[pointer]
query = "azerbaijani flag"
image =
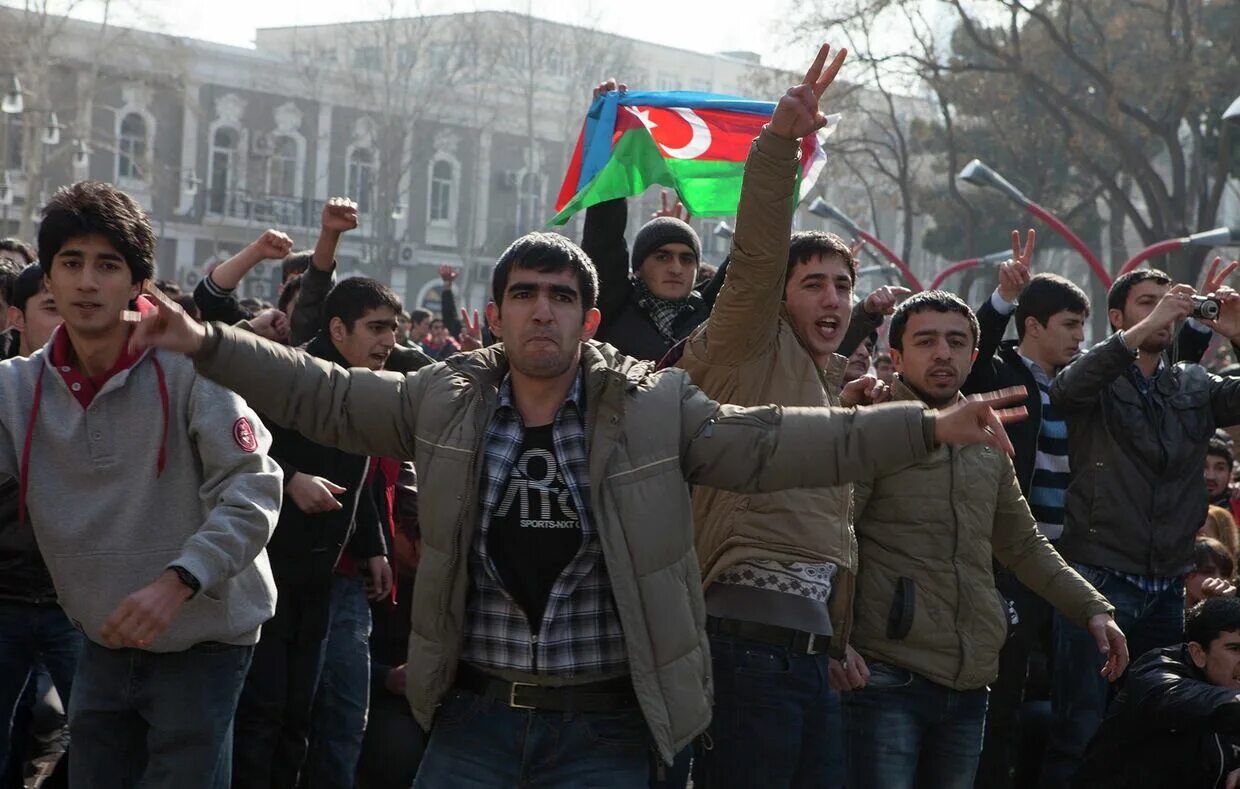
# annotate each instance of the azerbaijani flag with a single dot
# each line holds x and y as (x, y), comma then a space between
(695, 143)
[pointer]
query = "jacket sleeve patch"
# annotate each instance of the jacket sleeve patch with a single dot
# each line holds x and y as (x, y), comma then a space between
(243, 434)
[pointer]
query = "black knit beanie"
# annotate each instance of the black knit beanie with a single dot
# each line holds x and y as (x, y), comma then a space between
(663, 230)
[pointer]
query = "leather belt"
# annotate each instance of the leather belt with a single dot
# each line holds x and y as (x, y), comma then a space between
(795, 641)
(609, 695)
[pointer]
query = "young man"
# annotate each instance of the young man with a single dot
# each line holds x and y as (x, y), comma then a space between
(859, 361)
(1050, 327)
(557, 591)
(33, 627)
(14, 257)
(1138, 430)
(419, 326)
(440, 344)
(929, 622)
(151, 495)
(1177, 720)
(330, 512)
(777, 568)
(1219, 471)
(883, 369)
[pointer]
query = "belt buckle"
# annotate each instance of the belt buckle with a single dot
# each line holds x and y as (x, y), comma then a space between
(809, 646)
(512, 696)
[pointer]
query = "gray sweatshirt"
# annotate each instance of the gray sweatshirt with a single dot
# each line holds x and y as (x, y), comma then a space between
(163, 468)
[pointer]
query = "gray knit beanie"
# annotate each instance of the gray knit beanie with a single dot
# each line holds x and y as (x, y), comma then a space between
(663, 230)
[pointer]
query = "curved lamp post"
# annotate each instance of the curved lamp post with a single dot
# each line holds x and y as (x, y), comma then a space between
(964, 265)
(1218, 237)
(825, 210)
(978, 174)
(1232, 113)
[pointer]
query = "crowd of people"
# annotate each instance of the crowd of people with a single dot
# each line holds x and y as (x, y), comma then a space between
(644, 522)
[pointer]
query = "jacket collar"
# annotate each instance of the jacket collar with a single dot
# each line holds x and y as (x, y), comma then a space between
(487, 367)
(902, 391)
(321, 346)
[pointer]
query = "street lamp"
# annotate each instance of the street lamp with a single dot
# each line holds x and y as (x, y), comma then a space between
(1232, 113)
(51, 132)
(978, 174)
(12, 103)
(1218, 237)
(825, 210)
(723, 230)
(81, 155)
(963, 265)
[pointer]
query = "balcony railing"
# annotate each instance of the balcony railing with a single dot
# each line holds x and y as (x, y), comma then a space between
(275, 210)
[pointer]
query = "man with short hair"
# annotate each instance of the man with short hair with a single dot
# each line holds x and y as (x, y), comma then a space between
(928, 620)
(329, 513)
(1219, 472)
(1176, 722)
(859, 361)
(15, 255)
(32, 310)
(1050, 316)
(883, 368)
(1138, 430)
(557, 591)
(151, 496)
(419, 326)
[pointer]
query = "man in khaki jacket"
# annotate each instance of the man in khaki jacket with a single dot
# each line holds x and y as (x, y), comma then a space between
(928, 619)
(778, 567)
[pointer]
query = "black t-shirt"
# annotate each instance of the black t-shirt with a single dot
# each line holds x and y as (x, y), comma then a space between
(534, 531)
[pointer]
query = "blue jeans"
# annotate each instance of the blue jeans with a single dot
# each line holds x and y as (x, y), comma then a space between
(905, 731)
(1079, 696)
(773, 720)
(478, 743)
(339, 718)
(159, 720)
(33, 633)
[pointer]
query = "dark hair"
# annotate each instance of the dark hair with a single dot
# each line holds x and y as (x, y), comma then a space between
(296, 263)
(92, 208)
(288, 293)
(872, 339)
(882, 357)
(1212, 557)
(439, 321)
(419, 315)
(354, 297)
(1048, 295)
(546, 253)
(1211, 618)
(807, 244)
(25, 286)
(18, 246)
(189, 305)
(1220, 449)
(9, 271)
(928, 301)
(1117, 296)
(169, 288)
(251, 305)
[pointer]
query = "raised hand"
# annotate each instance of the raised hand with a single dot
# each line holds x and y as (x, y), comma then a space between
(448, 275)
(797, 114)
(272, 245)
(1015, 272)
(339, 215)
(979, 420)
(1216, 278)
(271, 324)
(866, 390)
(471, 331)
(675, 210)
(609, 85)
(883, 301)
(1228, 321)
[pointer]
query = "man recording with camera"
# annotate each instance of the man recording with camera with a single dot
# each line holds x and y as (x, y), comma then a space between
(1138, 431)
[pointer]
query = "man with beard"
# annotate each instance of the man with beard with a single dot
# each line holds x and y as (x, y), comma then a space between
(1138, 432)
(1220, 464)
(928, 620)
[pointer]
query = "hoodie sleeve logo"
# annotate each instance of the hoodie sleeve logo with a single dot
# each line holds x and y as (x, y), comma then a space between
(243, 434)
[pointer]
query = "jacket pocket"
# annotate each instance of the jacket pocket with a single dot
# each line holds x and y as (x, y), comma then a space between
(903, 608)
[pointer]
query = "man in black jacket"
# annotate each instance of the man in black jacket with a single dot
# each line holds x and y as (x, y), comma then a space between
(1138, 430)
(1177, 720)
(330, 509)
(1050, 322)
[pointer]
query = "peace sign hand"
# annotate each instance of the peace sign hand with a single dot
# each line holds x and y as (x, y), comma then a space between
(1015, 272)
(471, 331)
(798, 115)
(675, 210)
(1216, 278)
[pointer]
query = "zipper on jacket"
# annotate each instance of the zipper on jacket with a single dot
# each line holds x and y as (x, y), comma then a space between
(357, 500)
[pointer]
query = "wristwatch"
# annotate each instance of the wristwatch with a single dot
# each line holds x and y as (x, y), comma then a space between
(187, 578)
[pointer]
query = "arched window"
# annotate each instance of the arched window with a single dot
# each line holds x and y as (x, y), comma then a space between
(282, 167)
(443, 180)
(131, 148)
(223, 175)
(361, 180)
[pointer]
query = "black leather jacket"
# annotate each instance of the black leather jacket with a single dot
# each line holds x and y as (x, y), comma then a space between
(1168, 727)
(1137, 496)
(23, 575)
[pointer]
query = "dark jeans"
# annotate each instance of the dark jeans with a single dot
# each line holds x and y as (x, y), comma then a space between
(905, 731)
(477, 743)
(159, 720)
(274, 716)
(344, 690)
(393, 745)
(1079, 695)
(772, 723)
(33, 633)
(1001, 748)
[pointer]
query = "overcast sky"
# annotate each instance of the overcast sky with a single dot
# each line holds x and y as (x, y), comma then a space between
(700, 25)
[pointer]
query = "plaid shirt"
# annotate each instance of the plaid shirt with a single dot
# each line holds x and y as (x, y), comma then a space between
(580, 632)
(664, 312)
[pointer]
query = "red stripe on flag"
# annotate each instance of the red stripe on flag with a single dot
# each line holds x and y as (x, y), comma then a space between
(569, 187)
(678, 136)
